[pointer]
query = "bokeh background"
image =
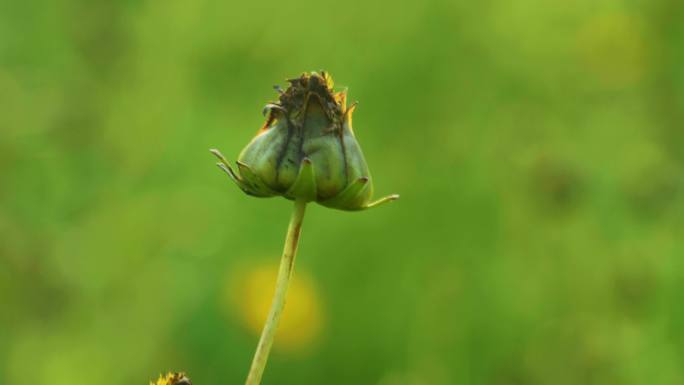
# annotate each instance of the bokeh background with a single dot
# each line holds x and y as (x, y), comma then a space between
(538, 147)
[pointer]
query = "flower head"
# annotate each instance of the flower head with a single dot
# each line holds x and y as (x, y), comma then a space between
(172, 379)
(306, 150)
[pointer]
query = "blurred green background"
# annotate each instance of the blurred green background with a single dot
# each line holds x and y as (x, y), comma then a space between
(538, 147)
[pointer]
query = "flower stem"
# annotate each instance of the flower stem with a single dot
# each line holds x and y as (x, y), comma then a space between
(282, 283)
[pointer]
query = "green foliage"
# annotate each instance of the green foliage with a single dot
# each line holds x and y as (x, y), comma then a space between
(537, 148)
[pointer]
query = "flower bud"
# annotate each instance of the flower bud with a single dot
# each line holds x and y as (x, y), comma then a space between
(307, 150)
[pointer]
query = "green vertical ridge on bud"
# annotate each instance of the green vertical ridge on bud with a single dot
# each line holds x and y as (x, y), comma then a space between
(307, 150)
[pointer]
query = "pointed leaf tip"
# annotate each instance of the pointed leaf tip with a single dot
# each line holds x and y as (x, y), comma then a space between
(382, 200)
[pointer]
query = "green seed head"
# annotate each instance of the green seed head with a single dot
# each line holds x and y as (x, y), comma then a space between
(307, 150)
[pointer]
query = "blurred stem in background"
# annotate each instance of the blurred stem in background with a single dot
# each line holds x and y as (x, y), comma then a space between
(278, 304)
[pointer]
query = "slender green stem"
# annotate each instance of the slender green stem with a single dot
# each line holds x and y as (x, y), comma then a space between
(284, 274)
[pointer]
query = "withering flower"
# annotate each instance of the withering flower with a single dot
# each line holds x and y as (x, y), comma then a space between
(172, 379)
(306, 150)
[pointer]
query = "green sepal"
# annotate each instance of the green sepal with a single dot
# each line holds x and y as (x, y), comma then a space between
(225, 166)
(349, 199)
(345, 200)
(254, 182)
(304, 187)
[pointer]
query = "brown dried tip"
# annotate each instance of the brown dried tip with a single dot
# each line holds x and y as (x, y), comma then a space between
(312, 84)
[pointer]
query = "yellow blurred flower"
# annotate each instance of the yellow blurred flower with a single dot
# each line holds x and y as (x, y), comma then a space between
(614, 48)
(249, 292)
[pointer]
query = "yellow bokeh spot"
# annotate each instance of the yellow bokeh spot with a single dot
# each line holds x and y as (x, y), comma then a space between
(250, 291)
(614, 48)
